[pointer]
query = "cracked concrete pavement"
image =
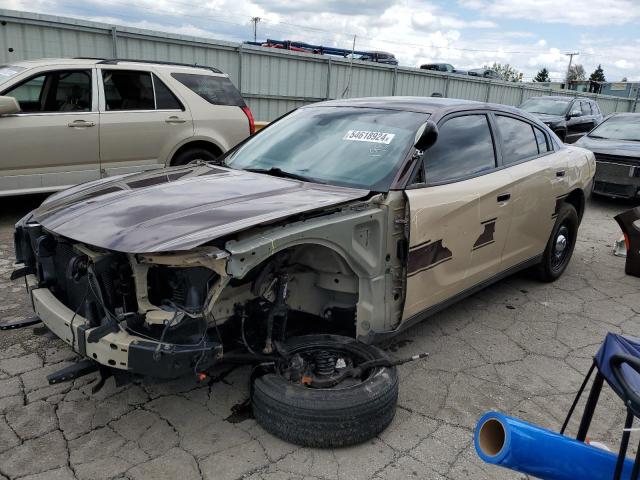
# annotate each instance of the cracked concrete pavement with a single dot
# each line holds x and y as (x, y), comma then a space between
(520, 346)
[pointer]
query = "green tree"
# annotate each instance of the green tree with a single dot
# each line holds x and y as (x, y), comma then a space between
(576, 72)
(506, 72)
(542, 76)
(596, 79)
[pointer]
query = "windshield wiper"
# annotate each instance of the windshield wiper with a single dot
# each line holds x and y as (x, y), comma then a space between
(278, 172)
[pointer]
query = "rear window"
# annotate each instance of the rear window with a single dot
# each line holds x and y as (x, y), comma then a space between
(215, 90)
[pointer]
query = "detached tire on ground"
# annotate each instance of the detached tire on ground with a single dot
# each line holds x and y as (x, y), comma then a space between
(346, 414)
(562, 241)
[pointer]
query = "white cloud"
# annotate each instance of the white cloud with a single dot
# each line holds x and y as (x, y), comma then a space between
(624, 64)
(416, 32)
(587, 13)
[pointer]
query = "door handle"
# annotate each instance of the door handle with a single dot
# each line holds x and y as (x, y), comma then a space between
(504, 197)
(560, 173)
(174, 119)
(81, 124)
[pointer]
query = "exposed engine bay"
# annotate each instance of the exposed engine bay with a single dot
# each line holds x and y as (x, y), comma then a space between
(170, 314)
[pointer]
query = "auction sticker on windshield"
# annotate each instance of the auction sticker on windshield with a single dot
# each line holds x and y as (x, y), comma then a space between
(365, 136)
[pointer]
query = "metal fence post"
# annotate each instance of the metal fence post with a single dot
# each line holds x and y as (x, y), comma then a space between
(521, 94)
(240, 69)
(114, 42)
(395, 81)
(487, 96)
(328, 93)
(446, 87)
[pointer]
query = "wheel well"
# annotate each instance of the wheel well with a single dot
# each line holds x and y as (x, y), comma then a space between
(576, 198)
(203, 144)
(321, 285)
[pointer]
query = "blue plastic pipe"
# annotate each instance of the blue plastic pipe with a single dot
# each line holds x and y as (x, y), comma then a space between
(512, 443)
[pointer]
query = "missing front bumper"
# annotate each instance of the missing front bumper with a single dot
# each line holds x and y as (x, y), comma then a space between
(121, 350)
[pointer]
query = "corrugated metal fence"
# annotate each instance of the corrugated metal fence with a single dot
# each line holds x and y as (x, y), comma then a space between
(272, 81)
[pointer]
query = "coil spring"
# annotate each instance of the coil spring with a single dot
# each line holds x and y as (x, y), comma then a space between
(325, 363)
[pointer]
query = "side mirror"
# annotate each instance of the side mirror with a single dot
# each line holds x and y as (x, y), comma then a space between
(575, 113)
(426, 136)
(9, 106)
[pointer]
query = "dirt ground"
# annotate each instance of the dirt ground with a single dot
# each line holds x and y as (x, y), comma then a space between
(519, 346)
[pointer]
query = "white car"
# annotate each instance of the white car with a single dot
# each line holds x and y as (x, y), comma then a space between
(67, 121)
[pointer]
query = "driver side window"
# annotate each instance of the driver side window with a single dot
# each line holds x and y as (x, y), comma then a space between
(60, 91)
(464, 148)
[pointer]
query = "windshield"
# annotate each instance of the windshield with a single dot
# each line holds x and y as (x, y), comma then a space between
(346, 146)
(619, 127)
(9, 71)
(546, 106)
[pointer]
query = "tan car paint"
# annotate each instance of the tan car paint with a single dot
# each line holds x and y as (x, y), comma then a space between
(49, 155)
(452, 214)
(534, 186)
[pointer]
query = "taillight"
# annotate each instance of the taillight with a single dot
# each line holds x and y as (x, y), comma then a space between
(252, 123)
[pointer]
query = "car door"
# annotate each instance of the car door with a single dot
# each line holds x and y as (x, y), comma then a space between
(53, 142)
(459, 216)
(141, 120)
(588, 116)
(536, 185)
(574, 122)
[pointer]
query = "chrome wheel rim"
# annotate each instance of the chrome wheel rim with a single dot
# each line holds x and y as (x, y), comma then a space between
(561, 247)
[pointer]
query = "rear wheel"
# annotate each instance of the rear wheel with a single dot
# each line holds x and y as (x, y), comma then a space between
(560, 246)
(192, 155)
(289, 406)
(562, 135)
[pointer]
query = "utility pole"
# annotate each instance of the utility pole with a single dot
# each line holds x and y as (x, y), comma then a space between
(570, 55)
(255, 21)
(353, 49)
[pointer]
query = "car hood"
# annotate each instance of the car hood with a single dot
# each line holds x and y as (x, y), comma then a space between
(610, 147)
(179, 208)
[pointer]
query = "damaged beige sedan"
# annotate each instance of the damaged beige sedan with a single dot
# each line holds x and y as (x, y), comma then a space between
(332, 229)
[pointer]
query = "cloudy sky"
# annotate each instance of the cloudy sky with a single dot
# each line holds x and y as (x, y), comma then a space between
(528, 34)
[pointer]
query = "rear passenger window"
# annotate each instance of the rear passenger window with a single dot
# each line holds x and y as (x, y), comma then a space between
(165, 99)
(541, 138)
(464, 148)
(214, 89)
(518, 139)
(128, 90)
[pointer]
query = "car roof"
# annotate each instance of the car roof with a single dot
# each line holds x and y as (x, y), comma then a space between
(415, 104)
(85, 62)
(557, 97)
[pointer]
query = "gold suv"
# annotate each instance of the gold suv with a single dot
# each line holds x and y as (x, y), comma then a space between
(67, 121)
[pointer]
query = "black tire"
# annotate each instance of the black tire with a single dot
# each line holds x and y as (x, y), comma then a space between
(332, 417)
(562, 135)
(555, 260)
(193, 154)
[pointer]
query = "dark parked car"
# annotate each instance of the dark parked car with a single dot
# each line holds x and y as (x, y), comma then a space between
(616, 145)
(380, 57)
(485, 72)
(570, 118)
(442, 67)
